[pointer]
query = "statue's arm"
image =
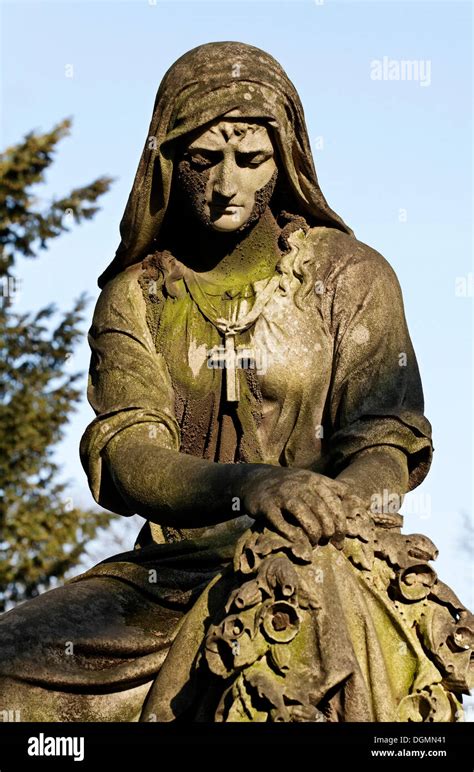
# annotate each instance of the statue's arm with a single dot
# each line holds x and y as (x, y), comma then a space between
(375, 470)
(174, 488)
(379, 440)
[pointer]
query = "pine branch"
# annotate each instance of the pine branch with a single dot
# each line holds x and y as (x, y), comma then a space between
(25, 229)
(42, 535)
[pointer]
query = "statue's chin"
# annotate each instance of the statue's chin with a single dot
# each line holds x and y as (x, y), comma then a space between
(226, 227)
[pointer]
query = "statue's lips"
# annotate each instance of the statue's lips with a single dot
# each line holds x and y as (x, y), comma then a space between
(228, 209)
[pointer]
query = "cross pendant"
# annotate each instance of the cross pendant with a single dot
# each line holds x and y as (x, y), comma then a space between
(232, 359)
(231, 374)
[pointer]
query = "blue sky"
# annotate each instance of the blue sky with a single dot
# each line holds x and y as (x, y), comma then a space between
(393, 158)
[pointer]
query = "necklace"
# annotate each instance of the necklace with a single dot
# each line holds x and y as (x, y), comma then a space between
(229, 357)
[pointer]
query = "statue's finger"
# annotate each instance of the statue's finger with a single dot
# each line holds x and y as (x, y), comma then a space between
(275, 519)
(336, 507)
(303, 514)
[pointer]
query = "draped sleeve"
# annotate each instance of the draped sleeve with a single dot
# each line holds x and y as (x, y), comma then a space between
(376, 396)
(129, 383)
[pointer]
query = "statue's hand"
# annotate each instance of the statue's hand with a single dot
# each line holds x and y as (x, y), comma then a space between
(290, 499)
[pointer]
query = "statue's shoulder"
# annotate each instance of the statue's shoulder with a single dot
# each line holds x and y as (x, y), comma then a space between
(121, 295)
(337, 255)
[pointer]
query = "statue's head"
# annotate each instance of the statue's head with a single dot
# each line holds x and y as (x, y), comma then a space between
(228, 132)
(226, 173)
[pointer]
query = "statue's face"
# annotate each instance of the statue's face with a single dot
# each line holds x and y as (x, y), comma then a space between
(222, 171)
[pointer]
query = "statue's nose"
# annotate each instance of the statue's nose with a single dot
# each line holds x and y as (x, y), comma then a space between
(225, 183)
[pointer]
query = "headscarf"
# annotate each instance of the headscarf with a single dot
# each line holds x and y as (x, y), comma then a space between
(204, 84)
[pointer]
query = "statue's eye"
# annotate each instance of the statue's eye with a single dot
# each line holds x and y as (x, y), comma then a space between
(203, 159)
(251, 159)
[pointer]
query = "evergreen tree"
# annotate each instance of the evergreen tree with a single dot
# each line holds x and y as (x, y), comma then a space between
(42, 534)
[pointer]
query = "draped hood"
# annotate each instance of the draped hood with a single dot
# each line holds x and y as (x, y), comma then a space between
(204, 84)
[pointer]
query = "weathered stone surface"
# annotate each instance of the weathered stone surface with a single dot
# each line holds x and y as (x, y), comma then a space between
(258, 402)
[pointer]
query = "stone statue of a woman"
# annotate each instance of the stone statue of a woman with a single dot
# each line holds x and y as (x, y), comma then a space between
(258, 402)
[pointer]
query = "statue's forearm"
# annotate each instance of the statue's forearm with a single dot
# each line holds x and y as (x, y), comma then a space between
(375, 470)
(173, 488)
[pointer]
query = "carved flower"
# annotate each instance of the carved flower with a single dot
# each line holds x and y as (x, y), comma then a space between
(281, 621)
(415, 582)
